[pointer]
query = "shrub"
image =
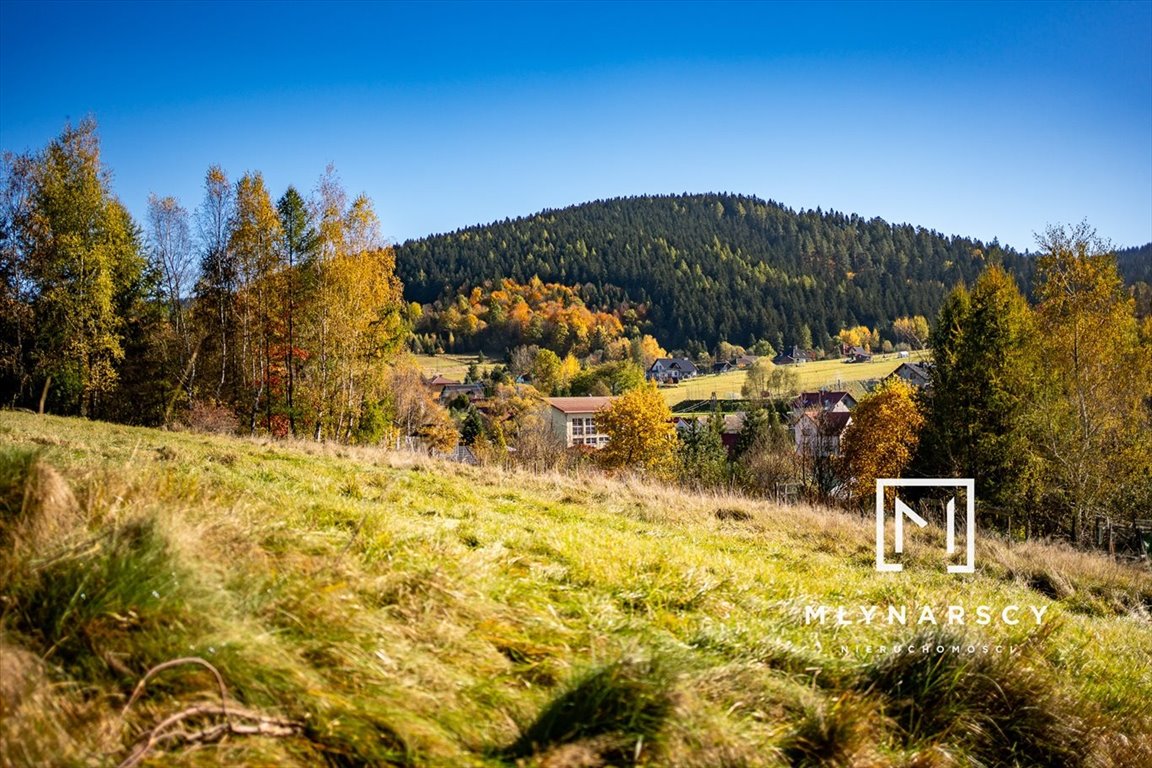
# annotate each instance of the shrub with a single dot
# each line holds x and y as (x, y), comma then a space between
(204, 416)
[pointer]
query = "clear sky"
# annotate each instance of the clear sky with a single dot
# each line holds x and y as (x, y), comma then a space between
(981, 119)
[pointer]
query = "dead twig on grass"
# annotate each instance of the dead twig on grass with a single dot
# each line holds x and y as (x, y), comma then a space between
(238, 721)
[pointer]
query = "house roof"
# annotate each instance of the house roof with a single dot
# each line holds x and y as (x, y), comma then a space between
(820, 399)
(441, 380)
(456, 386)
(829, 422)
(919, 369)
(579, 404)
(674, 364)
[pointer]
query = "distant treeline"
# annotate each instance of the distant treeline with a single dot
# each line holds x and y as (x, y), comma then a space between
(722, 267)
(715, 267)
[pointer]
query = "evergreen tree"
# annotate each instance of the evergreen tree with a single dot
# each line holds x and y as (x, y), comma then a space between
(985, 384)
(298, 246)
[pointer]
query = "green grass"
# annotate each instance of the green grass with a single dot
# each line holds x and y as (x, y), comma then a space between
(452, 366)
(400, 611)
(833, 373)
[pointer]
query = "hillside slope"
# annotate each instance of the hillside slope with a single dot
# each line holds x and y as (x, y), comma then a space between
(714, 266)
(373, 608)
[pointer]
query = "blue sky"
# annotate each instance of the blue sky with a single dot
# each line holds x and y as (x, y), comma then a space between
(981, 119)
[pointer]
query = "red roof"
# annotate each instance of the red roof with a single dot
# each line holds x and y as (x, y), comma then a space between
(441, 380)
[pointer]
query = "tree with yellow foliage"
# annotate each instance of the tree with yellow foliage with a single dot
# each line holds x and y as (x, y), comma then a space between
(913, 330)
(640, 431)
(1093, 427)
(646, 350)
(860, 336)
(882, 436)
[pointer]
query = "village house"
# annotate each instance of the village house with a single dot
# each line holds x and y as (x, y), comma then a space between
(724, 366)
(857, 355)
(745, 361)
(671, 370)
(916, 374)
(437, 383)
(796, 357)
(818, 433)
(573, 420)
(835, 402)
(473, 391)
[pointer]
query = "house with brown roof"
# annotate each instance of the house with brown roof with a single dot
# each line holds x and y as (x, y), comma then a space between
(437, 383)
(573, 420)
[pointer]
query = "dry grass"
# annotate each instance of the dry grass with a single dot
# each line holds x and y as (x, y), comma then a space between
(410, 612)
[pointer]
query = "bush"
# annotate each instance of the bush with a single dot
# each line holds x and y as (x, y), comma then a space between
(204, 416)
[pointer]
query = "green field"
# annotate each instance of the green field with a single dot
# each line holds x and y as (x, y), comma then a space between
(834, 374)
(365, 607)
(452, 366)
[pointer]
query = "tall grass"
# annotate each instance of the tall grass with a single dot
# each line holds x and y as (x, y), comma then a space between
(408, 612)
(999, 709)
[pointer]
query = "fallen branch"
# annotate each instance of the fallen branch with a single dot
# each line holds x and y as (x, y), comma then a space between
(176, 663)
(241, 722)
(237, 720)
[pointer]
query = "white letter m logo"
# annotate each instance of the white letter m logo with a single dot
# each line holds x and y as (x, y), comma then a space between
(903, 512)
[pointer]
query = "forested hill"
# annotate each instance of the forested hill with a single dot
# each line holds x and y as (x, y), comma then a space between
(715, 266)
(1135, 264)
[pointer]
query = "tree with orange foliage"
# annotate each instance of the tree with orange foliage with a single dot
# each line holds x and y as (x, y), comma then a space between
(882, 436)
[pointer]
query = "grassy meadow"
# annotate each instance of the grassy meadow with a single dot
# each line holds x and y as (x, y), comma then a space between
(452, 366)
(323, 605)
(833, 373)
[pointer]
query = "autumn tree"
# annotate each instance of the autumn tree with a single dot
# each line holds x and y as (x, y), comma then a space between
(255, 241)
(417, 420)
(646, 350)
(80, 254)
(859, 336)
(1094, 429)
(911, 330)
(639, 429)
(546, 373)
(764, 380)
(881, 439)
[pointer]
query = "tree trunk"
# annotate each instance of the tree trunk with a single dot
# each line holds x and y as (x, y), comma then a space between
(44, 392)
